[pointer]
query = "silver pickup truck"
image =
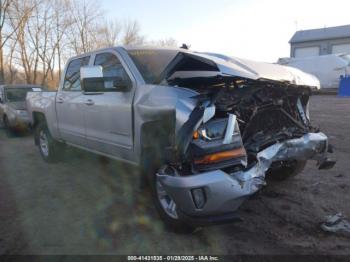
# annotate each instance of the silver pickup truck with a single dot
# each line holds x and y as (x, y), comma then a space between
(206, 129)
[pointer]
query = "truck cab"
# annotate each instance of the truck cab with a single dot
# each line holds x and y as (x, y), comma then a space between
(85, 116)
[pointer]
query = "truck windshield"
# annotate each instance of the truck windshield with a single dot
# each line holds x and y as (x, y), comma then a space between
(151, 63)
(16, 94)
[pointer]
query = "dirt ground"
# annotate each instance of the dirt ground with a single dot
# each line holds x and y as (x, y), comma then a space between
(87, 205)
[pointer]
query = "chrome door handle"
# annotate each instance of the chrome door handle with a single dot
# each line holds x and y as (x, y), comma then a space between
(59, 100)
(89, 102)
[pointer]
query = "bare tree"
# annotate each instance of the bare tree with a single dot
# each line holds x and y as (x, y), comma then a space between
(110, 33)
(5, 35)
(113, 33)
(132, 34)
(41, 34)
(12, 71)
(39, 40)
(62, 23)
(166, 42)
(4, 5)
(20, 14)
(86, 17)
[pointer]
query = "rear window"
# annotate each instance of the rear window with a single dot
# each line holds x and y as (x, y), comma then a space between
(151, 63)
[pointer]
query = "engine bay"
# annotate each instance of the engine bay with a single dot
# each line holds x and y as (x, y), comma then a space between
(265, 113)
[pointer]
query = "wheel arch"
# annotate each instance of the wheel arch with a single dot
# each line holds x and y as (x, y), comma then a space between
(157, 136)
(156, 142)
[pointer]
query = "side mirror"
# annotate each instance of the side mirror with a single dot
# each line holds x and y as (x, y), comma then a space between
(92, 80)
(0, 100)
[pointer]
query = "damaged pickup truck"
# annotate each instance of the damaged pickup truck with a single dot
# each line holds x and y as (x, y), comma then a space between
(206, 129)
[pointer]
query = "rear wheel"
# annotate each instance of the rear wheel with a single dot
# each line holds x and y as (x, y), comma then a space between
(284, 170)
(49, 148)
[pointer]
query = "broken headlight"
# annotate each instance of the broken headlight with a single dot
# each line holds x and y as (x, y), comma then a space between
(217, 144)
(212, 130)
(303, 112)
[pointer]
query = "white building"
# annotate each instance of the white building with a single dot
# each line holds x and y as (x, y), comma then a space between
(323, 41)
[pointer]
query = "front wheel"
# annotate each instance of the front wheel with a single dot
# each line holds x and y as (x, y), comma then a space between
(165, 205)
(49, 148)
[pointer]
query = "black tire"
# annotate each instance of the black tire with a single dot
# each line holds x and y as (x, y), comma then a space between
(149, 171)
(284, 170)
(54, 148)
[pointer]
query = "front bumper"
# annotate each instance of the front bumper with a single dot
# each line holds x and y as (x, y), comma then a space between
(224, 192)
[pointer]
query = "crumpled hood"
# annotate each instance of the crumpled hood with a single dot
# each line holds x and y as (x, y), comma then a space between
(18, 105)
(237, 67)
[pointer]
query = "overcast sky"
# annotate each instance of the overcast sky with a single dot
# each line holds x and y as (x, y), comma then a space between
(254, 29)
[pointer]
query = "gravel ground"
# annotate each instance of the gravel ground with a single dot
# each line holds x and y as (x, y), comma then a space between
(89, 205)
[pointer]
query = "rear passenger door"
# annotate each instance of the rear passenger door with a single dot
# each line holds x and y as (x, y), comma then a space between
(109, 116)
(70, 104)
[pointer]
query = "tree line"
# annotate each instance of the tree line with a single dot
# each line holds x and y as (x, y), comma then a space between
(38, 36)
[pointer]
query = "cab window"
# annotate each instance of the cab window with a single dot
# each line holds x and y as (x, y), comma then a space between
(72, 77)
(112, 68)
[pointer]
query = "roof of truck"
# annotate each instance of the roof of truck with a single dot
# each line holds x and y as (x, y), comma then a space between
(233, 66)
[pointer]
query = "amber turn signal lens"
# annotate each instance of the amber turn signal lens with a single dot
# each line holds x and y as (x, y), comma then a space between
(225, 155)
(195, 135)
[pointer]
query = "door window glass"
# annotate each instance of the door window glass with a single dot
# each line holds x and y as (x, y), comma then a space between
(72, 77)
(112, 69)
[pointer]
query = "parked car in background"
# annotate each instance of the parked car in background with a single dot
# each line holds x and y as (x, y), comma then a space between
(327, 68)
(204, 128)
(13, 111)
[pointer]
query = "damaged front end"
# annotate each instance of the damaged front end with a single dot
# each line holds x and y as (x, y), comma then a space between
(248, 120)
(240, 129)
(227, 156)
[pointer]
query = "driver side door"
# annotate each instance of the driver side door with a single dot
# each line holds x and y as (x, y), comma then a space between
(109, 115)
